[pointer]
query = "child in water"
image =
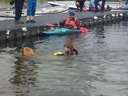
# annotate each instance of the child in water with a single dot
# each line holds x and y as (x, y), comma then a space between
(27, 52)
(70, 50)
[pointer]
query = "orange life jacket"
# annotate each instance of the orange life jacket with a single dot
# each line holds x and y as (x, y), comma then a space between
(72, 22)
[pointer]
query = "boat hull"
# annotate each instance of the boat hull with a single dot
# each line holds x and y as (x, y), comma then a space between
(60, 31)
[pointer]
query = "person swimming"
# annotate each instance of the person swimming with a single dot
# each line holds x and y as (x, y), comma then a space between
(69, 50)
(27, 52)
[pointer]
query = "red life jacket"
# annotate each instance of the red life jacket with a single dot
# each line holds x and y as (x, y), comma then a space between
(72, 23)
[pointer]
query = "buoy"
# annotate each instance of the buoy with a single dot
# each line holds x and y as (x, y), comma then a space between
(59, 53)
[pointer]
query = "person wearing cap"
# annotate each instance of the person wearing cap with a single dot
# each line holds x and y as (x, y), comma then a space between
(80, 4)
(71, 21)
(126, 4)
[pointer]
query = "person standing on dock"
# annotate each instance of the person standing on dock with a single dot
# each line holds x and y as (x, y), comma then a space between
(31, 9)
(80, 4)
(91, 5)
(102, 6)
(126, 4)
(18, 10)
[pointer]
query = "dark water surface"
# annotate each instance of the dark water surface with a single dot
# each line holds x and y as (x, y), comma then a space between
(100, 69)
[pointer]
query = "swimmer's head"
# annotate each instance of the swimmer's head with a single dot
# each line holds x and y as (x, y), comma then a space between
(27, 51)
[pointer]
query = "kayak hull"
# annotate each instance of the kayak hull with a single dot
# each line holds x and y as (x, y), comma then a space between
(60, 31)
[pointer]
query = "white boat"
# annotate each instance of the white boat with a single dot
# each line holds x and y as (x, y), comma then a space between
(62, 4)
(55, 9)
(39, 11)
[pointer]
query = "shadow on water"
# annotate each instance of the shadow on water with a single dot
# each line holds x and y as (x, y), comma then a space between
(30, 40)
(100, 35)
(23, 77)
(19, 42)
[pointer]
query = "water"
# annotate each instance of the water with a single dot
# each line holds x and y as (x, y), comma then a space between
(100, 69)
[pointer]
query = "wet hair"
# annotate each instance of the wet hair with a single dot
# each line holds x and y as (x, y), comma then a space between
(27, 51)
(69, 45)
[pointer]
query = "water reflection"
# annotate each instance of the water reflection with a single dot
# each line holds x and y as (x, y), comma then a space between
(100, 33)
(19, 42)
(24, 76)
(99, 70)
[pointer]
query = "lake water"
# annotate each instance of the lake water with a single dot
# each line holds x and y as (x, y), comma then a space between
(100, 69)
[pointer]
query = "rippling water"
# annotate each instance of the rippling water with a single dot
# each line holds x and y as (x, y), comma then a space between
(100, 69)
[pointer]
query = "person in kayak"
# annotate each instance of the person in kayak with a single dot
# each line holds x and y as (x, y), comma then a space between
(71, 21)
(31, 9)
(80, 4)
(74, 23)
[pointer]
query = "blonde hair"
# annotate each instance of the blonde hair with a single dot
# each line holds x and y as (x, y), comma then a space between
(69, 44)
(26, 51)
